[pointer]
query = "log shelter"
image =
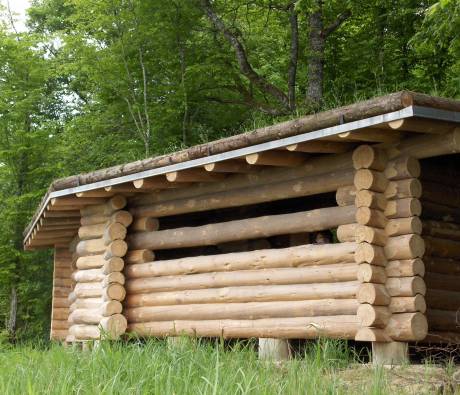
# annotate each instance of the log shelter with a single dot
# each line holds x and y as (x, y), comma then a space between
(342, 224)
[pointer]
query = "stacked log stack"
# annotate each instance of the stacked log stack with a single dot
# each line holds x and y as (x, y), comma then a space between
(95, 310)
(441, 232)
(390, 247)
(62, 286)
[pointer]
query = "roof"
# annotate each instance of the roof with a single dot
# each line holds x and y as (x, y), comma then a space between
(377, 120)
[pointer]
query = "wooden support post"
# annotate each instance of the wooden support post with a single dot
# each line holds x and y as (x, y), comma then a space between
(274, 349)
(390, 353)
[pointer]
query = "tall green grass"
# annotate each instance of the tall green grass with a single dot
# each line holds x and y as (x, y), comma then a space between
(190, 367)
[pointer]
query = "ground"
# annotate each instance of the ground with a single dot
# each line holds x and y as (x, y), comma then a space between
(206, 367)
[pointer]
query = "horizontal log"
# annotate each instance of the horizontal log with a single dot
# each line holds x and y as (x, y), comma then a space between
(361, 234)
(371, 180)
(91, 247)
(65, 201)
(442, 337)
(251, 228)
(60, 313)
(62, 282)
(375, 316)
(371, 274)
(407, 304)
(193, 175)
(276, 158)
(401, 189)
(440, 212)
(442, 230)
(372, 335)
(257, 293)
(86, 303)
(123, 217)
(61, 292)
(303, 275)
(443, 320)
(404, 247)
(85, 332)
(403, 226)
(112, 328)
(144, 224)
(60, 325)
(405, 268)
(320, 147)
(305, 186)
(368, 157)
(61, 214)
(114, 277)
(375, 294)
(109, 232)
(58, 334)
(153, 183)
(345, 196)
(403, 208)
(407, 326)
(402, 168)
(243, 311)
(116, 248)
(95, 315)
(341, 327)
(422, 125)
(229, 166)
(113, 291)
(439, 193)
(304, 255)
(60, 302)
(347, 233)
(98, 261)
(374, 200)
(373, 218)
(369, 253)
(114, 231)
(442, 265)
(405, 286)
(442, 248)
(139, 256)
(447, 282)
(113, 204)
(443, 300)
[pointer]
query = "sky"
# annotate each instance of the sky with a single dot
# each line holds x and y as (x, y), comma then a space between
(18, 7)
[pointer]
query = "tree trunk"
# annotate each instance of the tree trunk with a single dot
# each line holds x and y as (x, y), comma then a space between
(316, 53)
(11, 325)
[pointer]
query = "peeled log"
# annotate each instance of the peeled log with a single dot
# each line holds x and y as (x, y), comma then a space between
(369, 217)
(116, 248)
(408, 188)
(114, 277)
(402, 168)
(403, 226)
(403, 208)
(85, 332)
(407, 326)
(305, 186)
(405, 286)
(98, 261)
(304, 275)
(341, 327)
(374, 200)
(447, 282)
(376, 316)
(372, 335)
(251, 228)
(60, 313)
(145, 224)
(442, 299)
(375, 294)
(442, 230)
(371, 180)
(133, 257)
(369, 253)
(113, 291)
(83, 316)
(443, 320)
(347, 233)
(123, 217)
(442, 248)
(408, 304)
(368, 157)
(114, 326)
(371, 274)
(257, 293)
(91, 247)
(404, 247)
(90, 275)
(115, 231)
(243, 311)
(304, 255)
(406, 268)
(345, 196)
(113, 204)
(361, 234)
(60, 302)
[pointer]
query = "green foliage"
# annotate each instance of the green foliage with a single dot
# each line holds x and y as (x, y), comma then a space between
(95, 83)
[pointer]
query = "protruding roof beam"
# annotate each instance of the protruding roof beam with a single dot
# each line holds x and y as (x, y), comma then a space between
(229, 166)
(321, 147)
(193, 175)
(276, 158)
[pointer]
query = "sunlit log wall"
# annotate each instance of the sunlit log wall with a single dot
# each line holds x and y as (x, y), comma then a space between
(98, 282)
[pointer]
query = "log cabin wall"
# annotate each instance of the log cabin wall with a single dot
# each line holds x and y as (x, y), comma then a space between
(62, 286)
(241, 258)
(98, 281)
(441, 232)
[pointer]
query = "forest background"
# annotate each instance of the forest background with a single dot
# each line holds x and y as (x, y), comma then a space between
(90, 84)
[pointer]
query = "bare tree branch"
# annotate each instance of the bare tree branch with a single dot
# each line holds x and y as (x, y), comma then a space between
(245, 67)
(337, 23)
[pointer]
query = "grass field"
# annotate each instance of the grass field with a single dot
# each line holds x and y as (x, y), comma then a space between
(156, 367)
